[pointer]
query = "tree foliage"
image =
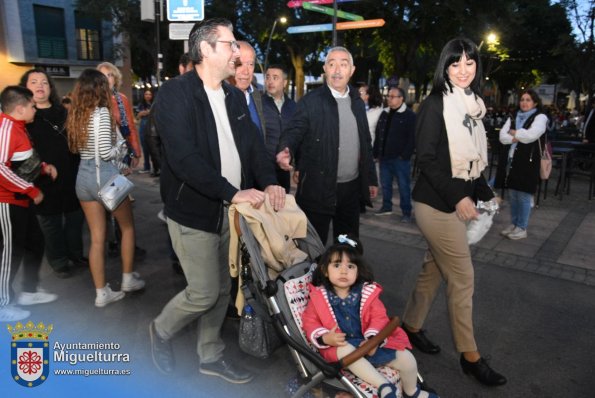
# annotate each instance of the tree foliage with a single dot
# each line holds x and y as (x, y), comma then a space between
(535, 40)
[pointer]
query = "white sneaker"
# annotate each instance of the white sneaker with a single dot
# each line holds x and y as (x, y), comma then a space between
(507, 230)
(108, 296)
(10, 313)
(39, 297)
(133, 284)
(517, 233)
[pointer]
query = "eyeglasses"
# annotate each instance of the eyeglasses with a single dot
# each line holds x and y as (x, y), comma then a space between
(232, 43)
(394, 96)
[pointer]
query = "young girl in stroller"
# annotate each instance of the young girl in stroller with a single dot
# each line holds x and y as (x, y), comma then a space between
(345, 310)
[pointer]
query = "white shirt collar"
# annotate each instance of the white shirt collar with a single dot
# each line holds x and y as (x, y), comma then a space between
(337, 94)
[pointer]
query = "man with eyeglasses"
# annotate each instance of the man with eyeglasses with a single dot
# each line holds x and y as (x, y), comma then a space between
(393, 148)
(213, 156)
(330, 132)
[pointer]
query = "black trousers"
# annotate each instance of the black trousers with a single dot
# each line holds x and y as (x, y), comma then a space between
(154, 143)
(346, 216)
(22, 241)
(63, 235)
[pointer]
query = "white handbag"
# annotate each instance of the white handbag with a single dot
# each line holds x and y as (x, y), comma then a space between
(117, 188)
(113, 192)
(476, 229)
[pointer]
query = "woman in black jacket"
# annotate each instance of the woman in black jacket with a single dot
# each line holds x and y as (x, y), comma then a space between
(523, 138)
(451, 148)
(60, 215)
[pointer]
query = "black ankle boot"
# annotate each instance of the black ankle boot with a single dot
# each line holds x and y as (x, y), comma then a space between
(482, 372)
(420, 341)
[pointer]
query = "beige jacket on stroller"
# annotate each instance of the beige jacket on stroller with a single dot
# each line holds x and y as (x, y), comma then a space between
(274, 231)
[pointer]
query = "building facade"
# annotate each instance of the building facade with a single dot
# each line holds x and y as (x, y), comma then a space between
(54, 35)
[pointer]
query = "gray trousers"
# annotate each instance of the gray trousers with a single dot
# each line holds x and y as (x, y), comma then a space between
(204, 259)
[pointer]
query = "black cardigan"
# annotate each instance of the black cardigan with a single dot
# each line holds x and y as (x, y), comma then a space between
(435, 185)
(49, 139)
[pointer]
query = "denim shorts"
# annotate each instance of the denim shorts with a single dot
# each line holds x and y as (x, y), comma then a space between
(86, 179)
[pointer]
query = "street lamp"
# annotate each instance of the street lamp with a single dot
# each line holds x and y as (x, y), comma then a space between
(266, 53)
(491, 39)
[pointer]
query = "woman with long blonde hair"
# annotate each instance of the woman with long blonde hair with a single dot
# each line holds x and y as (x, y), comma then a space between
(91, 98)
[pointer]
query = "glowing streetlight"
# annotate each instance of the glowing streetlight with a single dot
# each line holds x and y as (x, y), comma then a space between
(491, 39)
(283, 20)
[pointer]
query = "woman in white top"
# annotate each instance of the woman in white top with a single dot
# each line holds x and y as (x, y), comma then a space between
(524, 139)
(373, 100)
(90, 97)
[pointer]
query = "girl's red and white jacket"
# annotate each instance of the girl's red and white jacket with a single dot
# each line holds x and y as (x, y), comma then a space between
(14, 146)
(319, 319)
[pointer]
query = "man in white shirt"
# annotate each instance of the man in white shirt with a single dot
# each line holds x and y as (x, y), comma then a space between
(213, 156)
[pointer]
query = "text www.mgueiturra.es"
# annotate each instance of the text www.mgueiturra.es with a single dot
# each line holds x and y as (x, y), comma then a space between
(92, 372)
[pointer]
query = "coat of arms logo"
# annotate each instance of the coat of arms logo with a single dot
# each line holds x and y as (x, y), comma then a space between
(30, 353)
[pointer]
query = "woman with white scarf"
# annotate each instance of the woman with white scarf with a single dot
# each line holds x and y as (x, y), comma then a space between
(451, 154)
(524, 139)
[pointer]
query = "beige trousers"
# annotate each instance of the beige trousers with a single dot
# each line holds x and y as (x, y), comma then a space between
(448, 258)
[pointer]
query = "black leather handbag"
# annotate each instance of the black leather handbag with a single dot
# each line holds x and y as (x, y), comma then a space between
(28, 169)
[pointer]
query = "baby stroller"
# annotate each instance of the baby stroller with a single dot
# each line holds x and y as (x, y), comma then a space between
(282, 296)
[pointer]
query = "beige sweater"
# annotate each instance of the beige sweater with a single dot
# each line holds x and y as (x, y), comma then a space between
(274, 232)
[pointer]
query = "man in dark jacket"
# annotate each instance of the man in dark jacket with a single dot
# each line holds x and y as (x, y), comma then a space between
(212, 156)
(278, 109)
(395, 141)
(243, 80)
(330, 132)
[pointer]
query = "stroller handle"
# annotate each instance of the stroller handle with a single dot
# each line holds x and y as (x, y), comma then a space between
(370, 344)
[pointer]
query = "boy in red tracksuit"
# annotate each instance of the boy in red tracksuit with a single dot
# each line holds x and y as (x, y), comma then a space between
(21, 236)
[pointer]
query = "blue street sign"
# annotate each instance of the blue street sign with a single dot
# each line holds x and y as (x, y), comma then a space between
(185, 10)
(310, 28)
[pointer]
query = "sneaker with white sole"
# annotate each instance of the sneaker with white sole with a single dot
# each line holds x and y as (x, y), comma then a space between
(507, 230)
(384, 212)
(10, 313)
(39, 297)
(226, 370)
(133, 284)
(517, 233)
(108, 296)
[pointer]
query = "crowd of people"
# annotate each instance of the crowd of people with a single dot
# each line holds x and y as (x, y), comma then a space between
(214, 140)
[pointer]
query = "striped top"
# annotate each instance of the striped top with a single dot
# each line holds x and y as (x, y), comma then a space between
(105, 136)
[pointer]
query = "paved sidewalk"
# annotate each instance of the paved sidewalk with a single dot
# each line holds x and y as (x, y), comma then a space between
(533, 311)
(560, 242)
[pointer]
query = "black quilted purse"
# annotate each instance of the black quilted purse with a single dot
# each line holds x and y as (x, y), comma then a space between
(28, 169)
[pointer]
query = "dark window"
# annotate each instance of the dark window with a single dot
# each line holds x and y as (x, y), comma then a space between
(51, 37)
(88, 37)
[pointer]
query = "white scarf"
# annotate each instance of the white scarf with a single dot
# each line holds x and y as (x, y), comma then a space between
(467, 142)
